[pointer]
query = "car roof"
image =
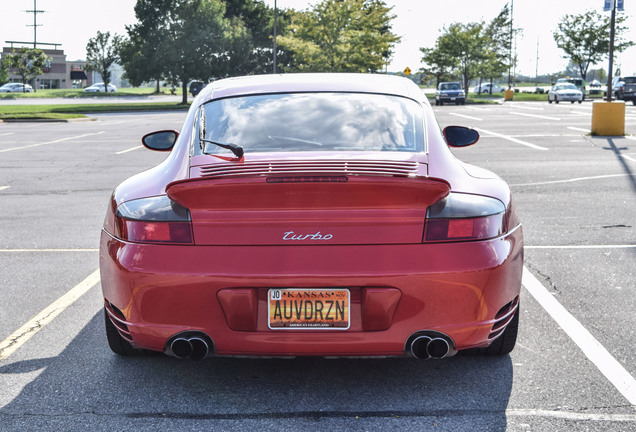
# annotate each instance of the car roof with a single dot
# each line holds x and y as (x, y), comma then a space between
(312, 82)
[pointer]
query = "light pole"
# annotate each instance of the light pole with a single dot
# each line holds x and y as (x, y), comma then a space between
(275, 19)
(611, 52)
(511, 32)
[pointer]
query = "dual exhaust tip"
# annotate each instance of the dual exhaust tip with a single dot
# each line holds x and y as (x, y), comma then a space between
(196, 347)
(425, 347)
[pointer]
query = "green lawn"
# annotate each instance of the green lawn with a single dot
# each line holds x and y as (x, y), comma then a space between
(80, 93)
(70, 111)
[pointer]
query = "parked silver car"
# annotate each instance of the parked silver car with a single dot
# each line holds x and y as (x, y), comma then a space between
(16, 88)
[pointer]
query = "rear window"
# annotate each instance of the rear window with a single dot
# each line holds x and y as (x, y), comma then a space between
(311, 122)
(629, 80)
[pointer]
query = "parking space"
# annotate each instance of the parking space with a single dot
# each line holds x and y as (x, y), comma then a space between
(576, 198)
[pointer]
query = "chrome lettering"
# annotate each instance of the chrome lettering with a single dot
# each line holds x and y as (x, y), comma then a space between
(291, 235)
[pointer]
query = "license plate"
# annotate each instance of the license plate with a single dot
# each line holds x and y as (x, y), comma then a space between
(453, 98)
(308, 309)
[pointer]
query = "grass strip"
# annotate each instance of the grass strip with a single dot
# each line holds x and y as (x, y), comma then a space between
(78, 110)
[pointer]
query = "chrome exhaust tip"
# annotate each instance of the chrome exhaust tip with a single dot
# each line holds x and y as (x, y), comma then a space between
(200, 348)
(437, 348)
(426, 344)
(194, 345)
(181, 348)
(419, 347)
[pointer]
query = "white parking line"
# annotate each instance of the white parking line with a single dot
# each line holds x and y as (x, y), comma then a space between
(49, 250)
(593, 350)
(6, 133)
(509, 138)
(129, 150)
(476, 108)
(582, 247)
(578, 129)
(573, 180)
(567, 415)
(50, 142)
(48, 314)
(535, 116)
(466, 116)
(4, 187)
(530, 107)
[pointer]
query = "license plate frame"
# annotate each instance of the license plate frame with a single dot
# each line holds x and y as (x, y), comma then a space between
(299, 308)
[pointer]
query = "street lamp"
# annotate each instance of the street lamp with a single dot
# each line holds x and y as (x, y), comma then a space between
(275, 19)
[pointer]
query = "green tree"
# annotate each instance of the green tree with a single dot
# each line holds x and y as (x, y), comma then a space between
(585, 38)
(140, 53)
(340, 36)
(468, 45)
(101, 53)
(182, 40)
(438, 64)
(199, 41)
(4, 72)
(258, 20)
(27, 62)
(499, 39)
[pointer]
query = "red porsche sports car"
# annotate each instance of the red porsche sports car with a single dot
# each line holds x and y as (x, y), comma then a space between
(311, 215)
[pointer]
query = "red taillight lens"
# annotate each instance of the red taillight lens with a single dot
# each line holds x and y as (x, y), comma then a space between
(153, 220)
(460, 217)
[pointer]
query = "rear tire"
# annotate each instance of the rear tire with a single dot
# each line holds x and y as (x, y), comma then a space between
(505, 343)
(118, 344)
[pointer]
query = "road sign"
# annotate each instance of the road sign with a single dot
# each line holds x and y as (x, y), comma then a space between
(407, 71)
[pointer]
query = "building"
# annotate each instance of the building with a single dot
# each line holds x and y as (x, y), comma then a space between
(59, 73)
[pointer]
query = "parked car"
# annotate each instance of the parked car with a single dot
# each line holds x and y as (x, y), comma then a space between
(450, 92)
(311, 215)
(16, 88)
(196, 87)
(578, 82)
(565, 92)
(99, 87)
(627, 91)
(486, 87)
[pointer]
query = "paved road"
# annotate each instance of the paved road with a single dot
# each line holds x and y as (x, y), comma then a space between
(576, 197)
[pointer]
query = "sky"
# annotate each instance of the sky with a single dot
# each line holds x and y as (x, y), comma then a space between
(419, 22)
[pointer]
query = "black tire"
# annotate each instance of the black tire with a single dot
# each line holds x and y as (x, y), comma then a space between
(436, 102)
(505, 343)
(118, 344)
(549, 100)
(573, 102)
(633, 101)
(556, 100)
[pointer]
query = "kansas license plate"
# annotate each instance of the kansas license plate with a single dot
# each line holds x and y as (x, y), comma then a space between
(308, 309)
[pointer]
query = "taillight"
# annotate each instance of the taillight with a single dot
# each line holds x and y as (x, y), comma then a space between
(153, 220)
(462, 217)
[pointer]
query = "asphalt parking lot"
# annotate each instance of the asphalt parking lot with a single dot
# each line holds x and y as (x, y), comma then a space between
(573, 367)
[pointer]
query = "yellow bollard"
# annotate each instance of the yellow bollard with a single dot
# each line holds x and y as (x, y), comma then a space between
(508, 94)
(608, 118)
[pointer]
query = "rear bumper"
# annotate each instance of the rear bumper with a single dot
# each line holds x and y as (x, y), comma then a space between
(154, 292)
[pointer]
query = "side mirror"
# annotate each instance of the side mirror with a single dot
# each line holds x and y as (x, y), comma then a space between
(460, 136)
(160, 140)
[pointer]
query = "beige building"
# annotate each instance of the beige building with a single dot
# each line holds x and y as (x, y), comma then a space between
(58, 73)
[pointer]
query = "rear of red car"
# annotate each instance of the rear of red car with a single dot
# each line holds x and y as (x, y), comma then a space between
(329, 253)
